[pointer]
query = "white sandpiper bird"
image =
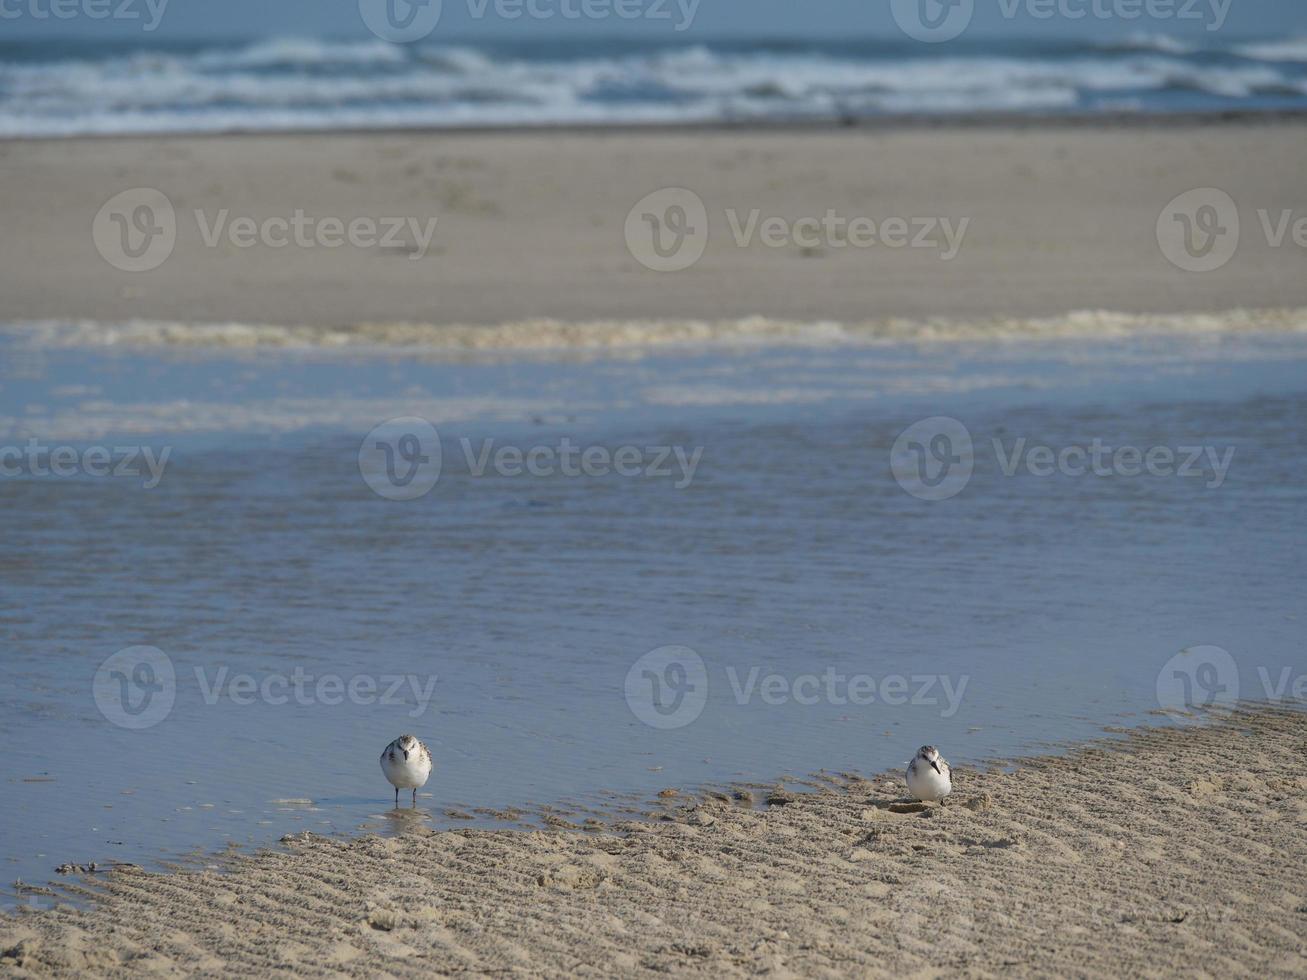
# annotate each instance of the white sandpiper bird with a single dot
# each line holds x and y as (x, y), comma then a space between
(407, 765)
(929, 776)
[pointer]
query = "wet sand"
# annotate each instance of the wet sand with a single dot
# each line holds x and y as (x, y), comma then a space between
(531, 224)
(1167, 850)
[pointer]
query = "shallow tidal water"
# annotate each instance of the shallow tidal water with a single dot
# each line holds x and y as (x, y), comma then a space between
(215, 650)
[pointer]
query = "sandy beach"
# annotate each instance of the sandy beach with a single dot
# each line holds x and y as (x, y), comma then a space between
(530, 225)
(1146, 853)
(672, 423)
(1166, 850)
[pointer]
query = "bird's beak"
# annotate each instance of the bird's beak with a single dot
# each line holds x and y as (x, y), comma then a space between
(405, 751)
(935, 765)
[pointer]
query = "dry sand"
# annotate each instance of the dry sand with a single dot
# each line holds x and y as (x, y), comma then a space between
(1169, 851)
(1062, 217)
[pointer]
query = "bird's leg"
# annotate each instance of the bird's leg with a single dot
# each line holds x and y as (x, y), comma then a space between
(415, 798)
(396, 797)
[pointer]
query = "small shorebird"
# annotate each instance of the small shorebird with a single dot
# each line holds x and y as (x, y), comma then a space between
(407, 765)
(929, 776)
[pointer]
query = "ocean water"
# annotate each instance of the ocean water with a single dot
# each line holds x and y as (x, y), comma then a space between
(772, 584)
(68, 88)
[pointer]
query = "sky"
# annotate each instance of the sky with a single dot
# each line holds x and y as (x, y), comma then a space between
(479, 19)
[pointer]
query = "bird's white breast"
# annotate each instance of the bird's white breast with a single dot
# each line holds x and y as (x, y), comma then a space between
(925, 783)
(407, 773)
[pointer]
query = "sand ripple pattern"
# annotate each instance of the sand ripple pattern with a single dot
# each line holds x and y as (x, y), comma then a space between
(1168, 850)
